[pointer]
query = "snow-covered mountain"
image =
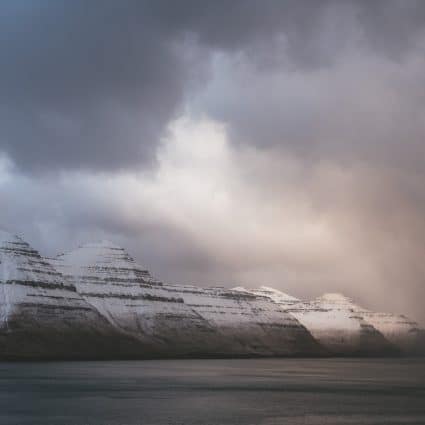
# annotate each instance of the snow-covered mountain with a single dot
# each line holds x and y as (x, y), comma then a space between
(136, 304)
(332, 321)
(259, 326)
(42, 315)
(345, 328)
(97, 302)
(180, 319)
(401, 331)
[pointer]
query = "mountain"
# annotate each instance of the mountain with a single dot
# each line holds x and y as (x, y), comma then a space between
(259, 326)
(180, 320)
(96, 302)
(41, 315)
(135, 304)
(332, 321)
(401, 331)
(345, 328)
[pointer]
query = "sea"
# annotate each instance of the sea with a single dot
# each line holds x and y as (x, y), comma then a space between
(214, 392)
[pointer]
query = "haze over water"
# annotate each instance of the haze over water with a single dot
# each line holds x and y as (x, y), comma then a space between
(214, 392)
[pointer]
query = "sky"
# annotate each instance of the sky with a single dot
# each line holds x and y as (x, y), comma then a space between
(251, 143)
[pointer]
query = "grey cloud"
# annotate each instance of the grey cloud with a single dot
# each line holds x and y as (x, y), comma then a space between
(315, 32)
(93, 84)
(84, 84)
(393, 26)
(363, 109)
(59, 215)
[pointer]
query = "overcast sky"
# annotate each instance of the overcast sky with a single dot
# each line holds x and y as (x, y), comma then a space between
(228, 143)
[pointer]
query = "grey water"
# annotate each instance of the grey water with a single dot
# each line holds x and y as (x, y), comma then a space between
(214, 392)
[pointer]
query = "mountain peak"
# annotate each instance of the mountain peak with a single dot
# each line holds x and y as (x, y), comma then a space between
(94, 253)
(100, 259)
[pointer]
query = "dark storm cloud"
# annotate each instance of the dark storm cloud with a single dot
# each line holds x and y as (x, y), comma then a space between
(93, 84)
(84, 84)
(388, 24)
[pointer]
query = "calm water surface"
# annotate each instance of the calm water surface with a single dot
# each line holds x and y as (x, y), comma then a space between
(213, 392)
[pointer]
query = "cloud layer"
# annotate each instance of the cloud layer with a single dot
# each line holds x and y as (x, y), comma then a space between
(228, 143)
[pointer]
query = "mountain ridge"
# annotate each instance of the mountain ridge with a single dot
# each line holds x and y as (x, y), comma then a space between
(97, 302)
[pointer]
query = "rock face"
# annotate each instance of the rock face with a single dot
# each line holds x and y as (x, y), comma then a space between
(42, 316)
(96, 302)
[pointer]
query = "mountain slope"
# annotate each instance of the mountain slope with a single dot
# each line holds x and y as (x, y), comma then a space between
(275, 295)
(137, 305)
(256, 323)
(398, 329)
(333, 323)
(42, 316)
(97, 302)
(179, 319)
